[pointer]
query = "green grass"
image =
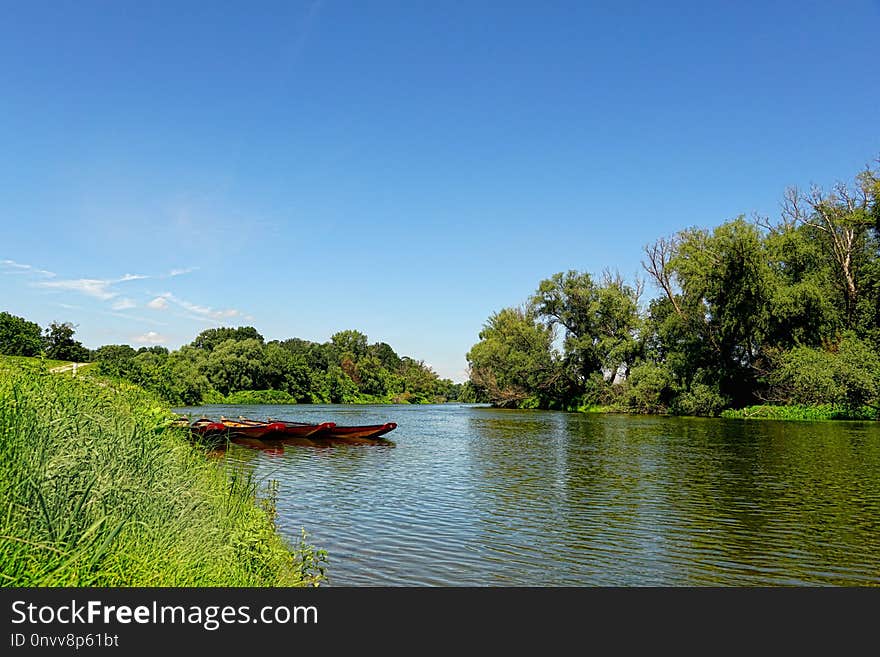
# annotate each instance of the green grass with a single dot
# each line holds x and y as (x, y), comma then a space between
(96, 493)
(819, 412)
(598, 409)
(32, 363)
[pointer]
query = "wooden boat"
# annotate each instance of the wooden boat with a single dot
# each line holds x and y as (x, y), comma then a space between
(365, 431)
(293, 429)
(204, 426)
(369, 431)
(251, 428)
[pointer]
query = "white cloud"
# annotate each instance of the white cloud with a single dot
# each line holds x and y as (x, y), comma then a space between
(130, 277)
(181, 271)
(93, 287)
(198, 311)
(159, 303)
(124, 304)
(13, 267)
(150, 337)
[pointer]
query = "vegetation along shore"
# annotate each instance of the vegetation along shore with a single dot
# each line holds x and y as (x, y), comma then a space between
(755, 318)
(100, 491)
(238, 366)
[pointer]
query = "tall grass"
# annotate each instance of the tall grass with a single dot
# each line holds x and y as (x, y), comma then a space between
(794, 412)
(96, 493)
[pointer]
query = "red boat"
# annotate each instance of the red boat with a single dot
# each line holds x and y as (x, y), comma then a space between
(251, 429)
(293, 429)
(205, 426)
(364, 431)
(336, 431)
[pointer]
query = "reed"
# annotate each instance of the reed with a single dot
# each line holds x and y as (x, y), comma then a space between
(97, 492)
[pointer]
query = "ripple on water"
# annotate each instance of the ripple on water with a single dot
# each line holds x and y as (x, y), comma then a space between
(473, 496)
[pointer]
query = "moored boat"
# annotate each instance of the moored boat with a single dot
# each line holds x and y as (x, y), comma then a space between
(204, 426)
(369, 431)
(364, 431)
(294, 429)
(251, 428)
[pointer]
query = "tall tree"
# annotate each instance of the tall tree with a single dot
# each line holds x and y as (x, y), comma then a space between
(19, 337)
(60, 344)
(513, 362)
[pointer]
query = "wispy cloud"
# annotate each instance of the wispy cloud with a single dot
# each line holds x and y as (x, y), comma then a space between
(130, 277)
(98, 288)
(150, 337)
(124, 304)
(180, 272)
(13, 267)
(92, 287)
(197, 311)
(159, 303)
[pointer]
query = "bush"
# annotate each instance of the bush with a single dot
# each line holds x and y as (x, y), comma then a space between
(648, 389)
(701, 399)
(846, 375)
(260, 397)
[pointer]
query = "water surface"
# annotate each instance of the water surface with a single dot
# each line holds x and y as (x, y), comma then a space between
(475, 496)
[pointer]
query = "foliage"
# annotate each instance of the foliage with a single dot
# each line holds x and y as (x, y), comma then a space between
(238, 366)
(748, 312)
(60, 344)
(514, 359)
(797, 412)
(260, 397)
(19, 337)
(99, 494)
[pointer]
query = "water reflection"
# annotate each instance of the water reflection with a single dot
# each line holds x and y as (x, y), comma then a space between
(474, 496)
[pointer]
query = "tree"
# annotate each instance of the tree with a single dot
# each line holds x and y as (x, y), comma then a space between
(116, 360)
(19, 337)
(237, 365)
(60, 344)
(352, 344)
(842, 220)
(209, 339)
(287, 371)
(601, 322)
(514, 362)
(340, 388)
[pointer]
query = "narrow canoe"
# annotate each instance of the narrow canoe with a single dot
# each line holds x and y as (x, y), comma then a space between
(363, 431)
(252, 429)
(294, 429)
(205, 426)
(336, 431)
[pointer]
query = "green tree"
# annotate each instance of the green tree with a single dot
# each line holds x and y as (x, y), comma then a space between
(350, 344)
(210, 339)
(514, 362)
(340, 388)
(287, 371)
(60, 344)
(237, 365)
(116, 360)
(19, 337)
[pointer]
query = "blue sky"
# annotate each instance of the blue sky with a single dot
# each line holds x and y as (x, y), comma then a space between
(403, 168)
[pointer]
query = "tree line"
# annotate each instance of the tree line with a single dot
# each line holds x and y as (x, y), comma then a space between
(237, 365)
(751, 312)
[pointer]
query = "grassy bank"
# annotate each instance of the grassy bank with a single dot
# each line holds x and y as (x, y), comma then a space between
(97, 493)
(818, 412)
(766, 412)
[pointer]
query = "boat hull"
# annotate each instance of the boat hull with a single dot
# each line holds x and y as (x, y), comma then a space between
(362, 432)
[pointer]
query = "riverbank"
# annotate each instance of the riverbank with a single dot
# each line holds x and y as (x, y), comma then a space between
(822, 412)
(101, 493)
(818, 412)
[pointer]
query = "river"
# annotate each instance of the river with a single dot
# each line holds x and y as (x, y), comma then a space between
(465, 495)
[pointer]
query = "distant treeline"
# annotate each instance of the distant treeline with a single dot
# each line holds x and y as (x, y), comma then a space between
(758, 312)
(237, 365)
